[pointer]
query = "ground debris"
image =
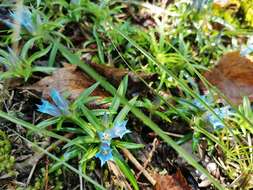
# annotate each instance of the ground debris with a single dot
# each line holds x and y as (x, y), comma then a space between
(233, 76)
(173, 182)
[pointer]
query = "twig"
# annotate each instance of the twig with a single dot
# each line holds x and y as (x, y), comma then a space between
(46, 174)
(150, 155)
(129, 155)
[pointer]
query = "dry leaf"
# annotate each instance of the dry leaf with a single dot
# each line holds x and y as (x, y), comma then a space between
(67, 79)
(172, 182)
(233, 76)
(115, 76)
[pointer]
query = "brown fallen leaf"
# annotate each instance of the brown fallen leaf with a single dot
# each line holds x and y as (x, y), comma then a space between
(171, 182)
(115, 76)
(233, 76)
(67, 79)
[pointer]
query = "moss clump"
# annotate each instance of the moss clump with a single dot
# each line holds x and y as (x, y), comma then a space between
(235, 12)
(6, 160)
(247, 7)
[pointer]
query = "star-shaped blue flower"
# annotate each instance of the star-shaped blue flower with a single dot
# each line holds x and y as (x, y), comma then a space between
(118, 130)
(105, 153)
(61, 106)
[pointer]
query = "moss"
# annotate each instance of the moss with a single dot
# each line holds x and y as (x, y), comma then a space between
(247, 6)
(229, 12)
(6, 160)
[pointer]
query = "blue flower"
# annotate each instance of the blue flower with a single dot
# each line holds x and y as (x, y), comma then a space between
(105, 153)
(25, 19)
(60, 108)
(223, 112)
(118, 130)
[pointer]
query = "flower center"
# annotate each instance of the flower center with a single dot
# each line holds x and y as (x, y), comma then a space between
(105, 152)
(106, 136)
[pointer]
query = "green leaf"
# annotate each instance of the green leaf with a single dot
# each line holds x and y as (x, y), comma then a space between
(125, 170)
(26, 47)
(69, 154)
(48, 122)
(89, 154)
(48, 133)
(90, 130)
(52, 56)
(121, 91)
(92, 118)
(81, 140)
(47, 70)
(59, 124)
(123, 113)
(38, 54)
(87, 92)
(99, 45)
(127, 145)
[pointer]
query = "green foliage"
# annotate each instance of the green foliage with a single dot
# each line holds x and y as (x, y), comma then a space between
(21, 65)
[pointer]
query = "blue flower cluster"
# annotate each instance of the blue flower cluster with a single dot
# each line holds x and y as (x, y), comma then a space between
(222, 112)
(207, 99)
(105, 151)
(61, 106)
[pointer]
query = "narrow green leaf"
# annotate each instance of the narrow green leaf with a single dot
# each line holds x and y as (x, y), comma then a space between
(127, 145)
(52, 56)
(121, 91)
(84, 95)
(125, 170)
(125, 110)
(99, 45)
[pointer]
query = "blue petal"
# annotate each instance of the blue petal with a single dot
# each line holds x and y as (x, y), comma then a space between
(207, 99)
(119, 129)
(25, 19)
(49, 108)
(105, 153)
(60, 102)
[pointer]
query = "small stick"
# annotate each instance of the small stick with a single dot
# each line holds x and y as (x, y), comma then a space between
(149, 158)
(129, 155)
(46, 175)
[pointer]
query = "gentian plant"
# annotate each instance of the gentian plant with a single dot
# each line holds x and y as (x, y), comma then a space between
(99, 133)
